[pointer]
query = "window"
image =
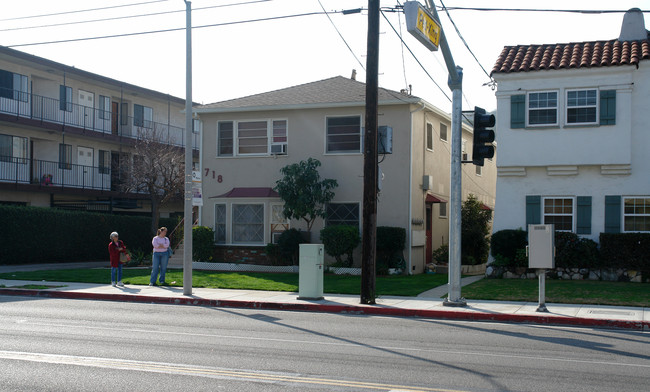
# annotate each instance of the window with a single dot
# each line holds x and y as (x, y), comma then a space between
(225, 138)
(142, 116)
(443, 210)
(104, 162)
(279, 137)
(279, 222)
(220, 223)
(13, 86)
(104, 107)
(559, 211)
(582, 106)
(542, 108)
(479, 170)
(13, 148)
(342, 214)
(65, 156)
(252, 137)
(636, 214)
(463, 150)
(443, 132)
(248, 223)
(196, 125)
(429, 136)
(343, 134)
(65, 98)
(124, 115)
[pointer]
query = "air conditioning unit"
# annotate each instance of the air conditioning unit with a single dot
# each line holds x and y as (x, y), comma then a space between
(427, 183)
(275, 236)
(279, 149)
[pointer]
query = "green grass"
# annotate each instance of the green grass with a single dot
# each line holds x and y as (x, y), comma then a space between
(333, 284)
(561, 291)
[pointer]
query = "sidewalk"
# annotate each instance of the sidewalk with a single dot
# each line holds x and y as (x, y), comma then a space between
(633, 318)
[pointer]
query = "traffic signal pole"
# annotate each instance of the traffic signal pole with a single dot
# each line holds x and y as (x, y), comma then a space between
(455, 83)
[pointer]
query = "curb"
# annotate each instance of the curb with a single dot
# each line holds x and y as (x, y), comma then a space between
(342, 309)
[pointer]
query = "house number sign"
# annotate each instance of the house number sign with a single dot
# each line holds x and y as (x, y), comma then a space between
(215, 176)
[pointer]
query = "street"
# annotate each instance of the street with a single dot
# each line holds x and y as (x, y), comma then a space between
(80, 345)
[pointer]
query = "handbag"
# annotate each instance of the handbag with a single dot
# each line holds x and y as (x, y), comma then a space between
(125, 258)
(170, 252)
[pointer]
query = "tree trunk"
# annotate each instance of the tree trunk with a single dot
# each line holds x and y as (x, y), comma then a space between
(155, 215)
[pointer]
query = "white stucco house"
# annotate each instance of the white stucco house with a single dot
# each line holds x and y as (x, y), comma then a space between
(573, 134)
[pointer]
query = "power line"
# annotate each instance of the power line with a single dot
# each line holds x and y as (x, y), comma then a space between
(169, 30)
(80, 11)
(539, 10)
(341, 35)
(130, 16)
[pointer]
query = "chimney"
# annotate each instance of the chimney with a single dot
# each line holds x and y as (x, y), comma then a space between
(354, 74)
(633, 28)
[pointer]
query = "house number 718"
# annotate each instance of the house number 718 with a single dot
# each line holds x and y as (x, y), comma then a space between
(219, 178)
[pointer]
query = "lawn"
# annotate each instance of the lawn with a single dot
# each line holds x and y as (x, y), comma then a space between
(561, 291)
(333, 284)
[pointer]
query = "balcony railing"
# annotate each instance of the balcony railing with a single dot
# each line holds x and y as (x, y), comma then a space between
(53, 174)
(44, 109)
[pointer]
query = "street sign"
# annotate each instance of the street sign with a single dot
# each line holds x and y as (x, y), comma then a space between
(422, 25)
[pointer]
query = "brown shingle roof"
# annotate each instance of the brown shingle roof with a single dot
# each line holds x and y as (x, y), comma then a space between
(525, 58)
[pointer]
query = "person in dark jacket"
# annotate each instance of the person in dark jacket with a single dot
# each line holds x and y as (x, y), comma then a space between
(115, 247)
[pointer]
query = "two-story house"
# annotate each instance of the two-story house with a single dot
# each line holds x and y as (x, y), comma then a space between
(573, 134)
(67, 135)
(246, 141)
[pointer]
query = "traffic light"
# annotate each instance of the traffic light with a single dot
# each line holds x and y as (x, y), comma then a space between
(482, 135)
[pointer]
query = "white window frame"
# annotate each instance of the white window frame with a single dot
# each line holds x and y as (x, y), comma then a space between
(147, 116)
(645, 214)
(272, 222)
(442, 210)
(479, 170)
(585, 106)
(556, 107)
(18, 147)
(104, 106)
(232, 139)
(429, 136)
(232, 223)
(224, 223)
(446, 133)
(270, 122)
(573, 211)
(237, 137)
(343, 152)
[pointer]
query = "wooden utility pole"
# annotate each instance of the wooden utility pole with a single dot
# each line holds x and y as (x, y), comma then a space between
(369, 232)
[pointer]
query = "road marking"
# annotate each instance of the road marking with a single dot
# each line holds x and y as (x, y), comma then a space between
(201, 371)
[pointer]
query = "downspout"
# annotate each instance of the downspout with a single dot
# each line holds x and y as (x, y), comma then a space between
(408, 231)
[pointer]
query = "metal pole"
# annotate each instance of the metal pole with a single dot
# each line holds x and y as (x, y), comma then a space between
(369, 232)
(542, 291)
(187, 226)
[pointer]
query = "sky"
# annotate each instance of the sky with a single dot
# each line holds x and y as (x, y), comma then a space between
(275, 49)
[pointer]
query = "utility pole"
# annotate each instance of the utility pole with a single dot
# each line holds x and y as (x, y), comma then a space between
(369, 232)
(187, 224)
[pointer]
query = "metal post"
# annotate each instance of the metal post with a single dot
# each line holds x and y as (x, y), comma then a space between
(541, 273)
(187, 226)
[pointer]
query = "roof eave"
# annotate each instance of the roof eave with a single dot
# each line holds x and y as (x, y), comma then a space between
(301, 106)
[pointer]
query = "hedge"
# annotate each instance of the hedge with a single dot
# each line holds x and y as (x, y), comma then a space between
(48, 235)
(625, 250)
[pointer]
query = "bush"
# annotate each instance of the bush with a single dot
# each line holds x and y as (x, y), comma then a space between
(572, 251)
(626, 250)
(441, 255)
(475, 228)
(340, 240)
(390, 245)
(505, 243)
(289, 243)
(202, 243)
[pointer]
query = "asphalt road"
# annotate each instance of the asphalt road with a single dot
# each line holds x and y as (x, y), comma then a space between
(75, 345)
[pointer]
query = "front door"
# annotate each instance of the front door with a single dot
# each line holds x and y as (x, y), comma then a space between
(87, 102)
(115, 106)
(85, 157)
(427, 224)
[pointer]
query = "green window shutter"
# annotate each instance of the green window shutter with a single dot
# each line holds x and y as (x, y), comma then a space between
(533, 210)
(612, 214)
(518, 111)
(62, 97)
(583, 215)
(607, 107)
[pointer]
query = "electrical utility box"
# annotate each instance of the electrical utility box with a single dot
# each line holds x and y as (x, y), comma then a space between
(541, 246)
(384, 139)
(310, 275)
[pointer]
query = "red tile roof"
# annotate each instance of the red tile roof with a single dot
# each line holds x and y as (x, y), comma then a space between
(249, 192)
(525, 58)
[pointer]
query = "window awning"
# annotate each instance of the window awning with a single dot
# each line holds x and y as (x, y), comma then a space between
(484, 207)
(433, 199)
(248, 192)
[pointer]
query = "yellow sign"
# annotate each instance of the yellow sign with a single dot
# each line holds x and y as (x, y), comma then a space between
(428, 27)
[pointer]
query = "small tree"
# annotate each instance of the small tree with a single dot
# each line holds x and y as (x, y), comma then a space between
(158, 170)
(303, 192)
(475, 227)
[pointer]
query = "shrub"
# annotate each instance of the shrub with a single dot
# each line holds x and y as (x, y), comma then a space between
(390, 245)
(202, 243)
(340, 240)
(475, 228)
(441, 255)
(571, 251)
(289, 243)
(505, 243)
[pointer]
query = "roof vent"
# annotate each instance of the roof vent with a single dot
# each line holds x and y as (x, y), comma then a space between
(633, 28)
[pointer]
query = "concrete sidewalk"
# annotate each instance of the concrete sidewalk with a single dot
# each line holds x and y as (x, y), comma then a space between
(634, 318)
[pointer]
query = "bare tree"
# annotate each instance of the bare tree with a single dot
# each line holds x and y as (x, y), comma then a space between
(158, 170)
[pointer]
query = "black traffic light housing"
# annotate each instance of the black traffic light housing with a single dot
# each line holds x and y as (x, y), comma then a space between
(482, 136)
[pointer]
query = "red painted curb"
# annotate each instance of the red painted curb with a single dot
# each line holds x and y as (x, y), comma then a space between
(344, 309)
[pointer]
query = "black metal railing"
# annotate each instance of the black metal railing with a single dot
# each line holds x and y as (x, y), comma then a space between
(44, 109)
(54, 174)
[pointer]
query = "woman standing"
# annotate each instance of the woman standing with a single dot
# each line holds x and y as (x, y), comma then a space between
(115, 247)
(160, 256)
